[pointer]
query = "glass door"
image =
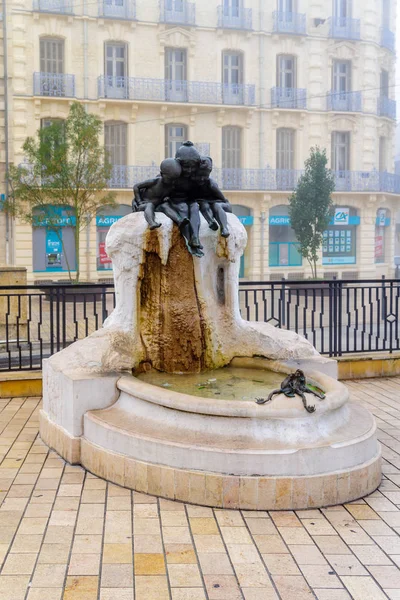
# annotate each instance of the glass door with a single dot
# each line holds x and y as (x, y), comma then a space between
(175, 74)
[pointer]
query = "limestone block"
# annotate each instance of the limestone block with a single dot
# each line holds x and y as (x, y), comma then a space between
(69, 394)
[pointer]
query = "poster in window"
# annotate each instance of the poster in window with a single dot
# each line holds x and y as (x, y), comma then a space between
(379, 248)
(104, 259)
(53, 249)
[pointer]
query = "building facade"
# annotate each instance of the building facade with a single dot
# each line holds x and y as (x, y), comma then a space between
(254, 83)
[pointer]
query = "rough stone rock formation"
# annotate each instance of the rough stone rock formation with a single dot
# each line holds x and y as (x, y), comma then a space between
(175, 312)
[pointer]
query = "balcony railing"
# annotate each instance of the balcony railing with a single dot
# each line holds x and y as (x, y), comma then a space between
(289, 22)
(54, 84)
(345, 28)
(240, 19)
(125, 177)
(53, 6)
(161, 90)
(388, 39)
(288, 98)
(186, 16)
(345, 101)
(387, 107)
(118, 9)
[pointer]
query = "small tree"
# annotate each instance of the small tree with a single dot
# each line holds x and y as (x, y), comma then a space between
(65, 167)
(311, 207)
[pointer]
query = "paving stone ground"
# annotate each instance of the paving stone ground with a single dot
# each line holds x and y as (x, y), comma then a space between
(66, 534)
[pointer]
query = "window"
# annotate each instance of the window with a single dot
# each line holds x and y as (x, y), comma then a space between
(53, 239)
(116, 70)
(231, 148)
(286, 6)
(384, 84)
(175, 135)
(51, 55)
(381, 228)
(285, 148)
(231, 8)
(107, 216)
(342, 9)
(341, 151)
(286, 72)
(341, 80)
(175, 5)
(176, 74)
(232, 77)
(115, 141)
(283, 244)
(386, 16)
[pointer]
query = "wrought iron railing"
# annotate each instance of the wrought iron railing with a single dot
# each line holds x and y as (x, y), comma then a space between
(388, 39)
(337, 317)
(387, 107)
(161, 90)
(54, 84)
(241, 18)
(125, 176)
(285, 97)
(345, 28)
(185, 14)
(121, 9)
(53, 6)
(345, 101)
(289, 22)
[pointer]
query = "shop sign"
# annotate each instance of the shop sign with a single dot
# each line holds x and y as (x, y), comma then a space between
(339, 260)
(342, 216)
(246, 220)
(104, 259)
(2, 201)
(381, 219)
(56, 221)
(107, 220)
(280, 220)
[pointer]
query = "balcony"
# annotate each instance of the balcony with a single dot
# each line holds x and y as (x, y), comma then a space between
(164, 90)
(388, 39)
(345, 101)
(53, 6)
(186, 16)
(387, 107)
(345, 28)
(288, 98)
(118, 9)
(242, 20)
(54, 85)
(124, 177)
(289, 22)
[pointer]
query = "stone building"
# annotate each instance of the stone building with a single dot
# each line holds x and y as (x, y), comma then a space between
(254, 83)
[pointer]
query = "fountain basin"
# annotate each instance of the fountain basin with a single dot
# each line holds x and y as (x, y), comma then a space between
(230, 453)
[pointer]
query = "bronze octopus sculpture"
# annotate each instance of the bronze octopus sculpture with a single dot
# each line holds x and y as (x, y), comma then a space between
(294, 384)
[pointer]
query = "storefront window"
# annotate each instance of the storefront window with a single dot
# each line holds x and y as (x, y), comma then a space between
(340, 239)
(244, 215)
(381, 225)
(284, 249)
(53, 239)
(106, 217)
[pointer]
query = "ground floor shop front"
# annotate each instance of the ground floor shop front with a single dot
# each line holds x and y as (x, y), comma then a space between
(359, 242)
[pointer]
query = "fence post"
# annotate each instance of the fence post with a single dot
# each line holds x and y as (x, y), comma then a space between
(282, 316)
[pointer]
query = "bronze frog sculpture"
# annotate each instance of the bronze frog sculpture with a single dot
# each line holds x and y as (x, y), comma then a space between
(293, 384)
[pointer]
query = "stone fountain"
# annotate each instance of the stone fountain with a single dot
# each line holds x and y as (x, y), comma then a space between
(120, 404)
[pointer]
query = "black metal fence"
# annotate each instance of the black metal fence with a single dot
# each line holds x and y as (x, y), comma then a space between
(337, 317)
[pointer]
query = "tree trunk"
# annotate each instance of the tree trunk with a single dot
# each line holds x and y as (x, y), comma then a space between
(77, 249)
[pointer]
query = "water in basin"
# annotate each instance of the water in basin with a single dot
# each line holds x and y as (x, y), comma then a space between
(228, 383)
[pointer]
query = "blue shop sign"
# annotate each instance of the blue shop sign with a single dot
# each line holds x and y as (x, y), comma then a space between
(2, 201)
(107, 221)
(280, 220)
(246, 220)
(56, 221)
(350, 220)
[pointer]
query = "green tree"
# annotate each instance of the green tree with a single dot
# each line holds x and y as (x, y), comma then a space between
(311, 207)
(66, 167)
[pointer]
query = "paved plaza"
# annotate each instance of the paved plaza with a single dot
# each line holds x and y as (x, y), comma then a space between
(66, 534)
